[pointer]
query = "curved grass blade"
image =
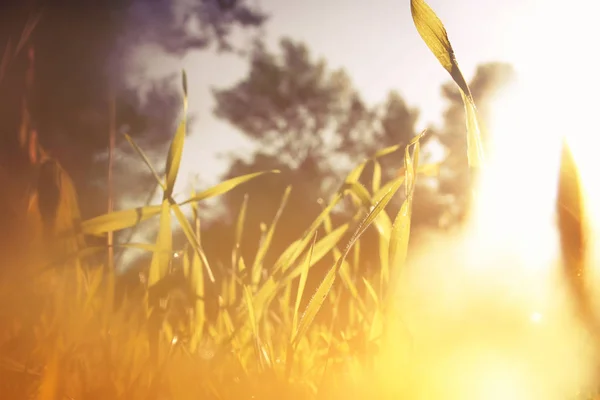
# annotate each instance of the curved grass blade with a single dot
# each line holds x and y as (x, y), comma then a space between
(376, 182)
(387, 150)
(146, 160)
(118, 220)
(573, 231)
(324, 288)
(174, 158)
(226, 186)
(187, 229)
(434, 35)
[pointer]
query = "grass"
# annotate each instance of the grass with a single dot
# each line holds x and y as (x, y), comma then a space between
(63, 335)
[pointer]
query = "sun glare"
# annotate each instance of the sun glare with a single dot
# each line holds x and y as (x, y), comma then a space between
(515, 199)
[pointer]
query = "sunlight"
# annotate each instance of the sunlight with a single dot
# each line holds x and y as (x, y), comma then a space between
(516, 197)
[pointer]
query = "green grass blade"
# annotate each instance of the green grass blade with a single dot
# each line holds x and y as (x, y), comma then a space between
(434, 35)
(225, 186)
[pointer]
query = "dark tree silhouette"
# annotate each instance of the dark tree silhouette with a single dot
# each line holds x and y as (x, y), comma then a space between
(81, 51)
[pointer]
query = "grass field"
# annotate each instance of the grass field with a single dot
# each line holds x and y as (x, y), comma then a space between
(63, 335)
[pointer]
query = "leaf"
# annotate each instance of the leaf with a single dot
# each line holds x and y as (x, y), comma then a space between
(434, 35)
(118, 220)
(226, 186)
(146, 160)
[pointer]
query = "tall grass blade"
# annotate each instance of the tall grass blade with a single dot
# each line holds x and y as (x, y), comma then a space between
(146, 160)
(434, 35)
(376, 181)
(118, 220)
(266, 242)
(573, 231)
(301, 286)
(160, 260)
(225, 186)
(324, 288)
(174, 158)
(189, 233)
(239, 231)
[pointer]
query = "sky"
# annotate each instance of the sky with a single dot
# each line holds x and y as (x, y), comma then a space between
(379, 47)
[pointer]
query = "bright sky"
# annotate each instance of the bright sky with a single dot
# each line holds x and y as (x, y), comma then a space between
(377, 44)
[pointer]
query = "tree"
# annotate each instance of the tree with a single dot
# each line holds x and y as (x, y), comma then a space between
(488, 81)
(81, 50)
(311, 123)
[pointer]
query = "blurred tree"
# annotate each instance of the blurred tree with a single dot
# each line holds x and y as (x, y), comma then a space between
(489, 80)
(312, 124)
(82, 49)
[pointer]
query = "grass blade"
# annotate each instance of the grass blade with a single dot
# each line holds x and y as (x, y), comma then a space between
(146, 160)
(573, 231)
(187, 229)
(226, 186)
(322, 291)
(160, 260)
(119, 220)
(266, 242)
(434, 35)
(301, 286)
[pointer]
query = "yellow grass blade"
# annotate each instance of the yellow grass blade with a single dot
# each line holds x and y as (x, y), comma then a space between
(376, 182)
(226, 186)
(239, 231)
(118, 220)
(573, 230)
(387, 150)
(174, 158)
(146, 160)
(187, 229)
(322, 291)
(301, 286)
(434, 35)
(160, 260)
(266, 242)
